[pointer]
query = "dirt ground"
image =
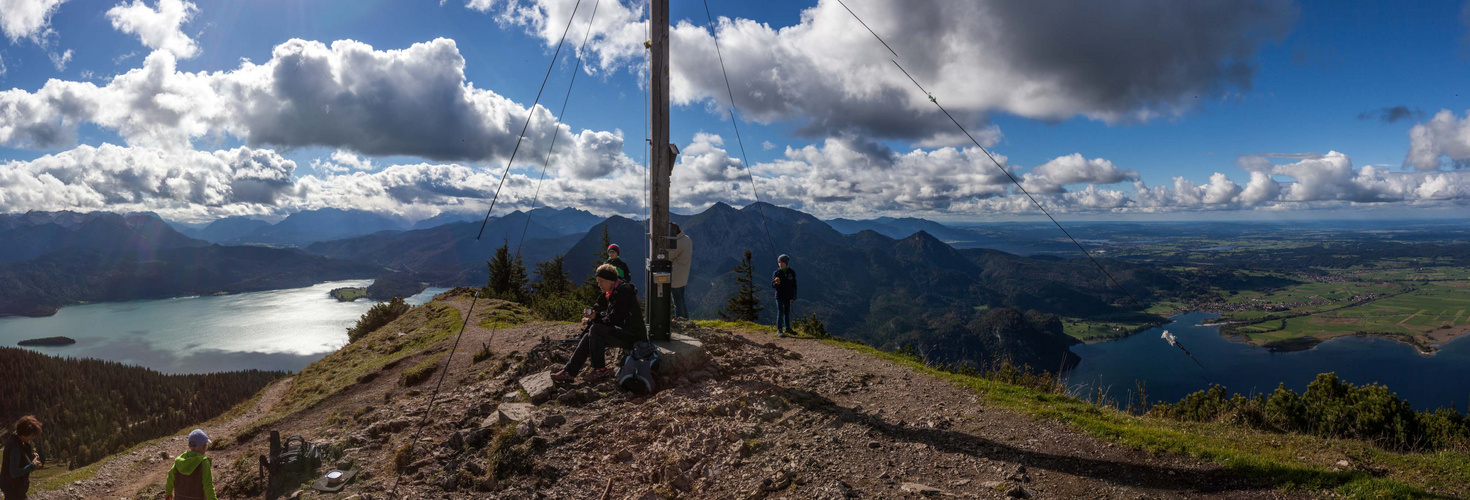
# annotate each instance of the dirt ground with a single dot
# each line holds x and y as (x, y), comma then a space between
(768, 418)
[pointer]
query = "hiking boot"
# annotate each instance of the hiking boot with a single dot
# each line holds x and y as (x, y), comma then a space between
(781, 334)
(562, 376)
(598, 374)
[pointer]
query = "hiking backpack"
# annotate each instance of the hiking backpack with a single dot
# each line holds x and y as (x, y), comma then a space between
(637, 373)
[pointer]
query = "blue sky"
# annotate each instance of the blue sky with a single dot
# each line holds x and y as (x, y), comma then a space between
(1097, 113)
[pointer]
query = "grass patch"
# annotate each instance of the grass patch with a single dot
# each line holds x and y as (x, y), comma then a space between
(420, 372)
(410, 334)
(68, 477)
(483, 354)
(505, 316)
(1285, 461)
(746, 326)
(508, 454)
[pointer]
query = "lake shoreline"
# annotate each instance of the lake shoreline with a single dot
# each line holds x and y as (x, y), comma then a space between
(48, 310)
(281, 330)
(1427, 380)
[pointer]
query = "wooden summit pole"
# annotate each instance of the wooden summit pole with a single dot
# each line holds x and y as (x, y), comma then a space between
(660, 268)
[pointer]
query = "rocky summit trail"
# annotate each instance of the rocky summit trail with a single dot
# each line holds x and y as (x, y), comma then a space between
(123, 476)
(767, 418)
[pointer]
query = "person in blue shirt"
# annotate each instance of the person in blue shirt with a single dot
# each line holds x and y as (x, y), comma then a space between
(784, 281)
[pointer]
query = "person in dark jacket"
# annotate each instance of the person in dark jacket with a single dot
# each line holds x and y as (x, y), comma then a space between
(614, 257)
(784, 281)
(192, 476)
(20, 458)
(616, 321)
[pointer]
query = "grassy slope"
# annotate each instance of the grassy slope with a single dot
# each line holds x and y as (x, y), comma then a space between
(423, 327)
(1292, 461)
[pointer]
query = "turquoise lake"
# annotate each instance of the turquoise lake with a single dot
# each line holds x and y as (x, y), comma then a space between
(270, 330)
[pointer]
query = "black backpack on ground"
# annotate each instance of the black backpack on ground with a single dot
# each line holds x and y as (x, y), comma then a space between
(637, 373)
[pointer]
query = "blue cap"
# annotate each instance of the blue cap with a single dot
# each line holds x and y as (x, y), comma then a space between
(783, 258)
(198, 438)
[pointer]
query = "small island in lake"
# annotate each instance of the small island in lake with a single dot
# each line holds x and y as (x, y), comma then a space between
(49, 341)
(348, 294)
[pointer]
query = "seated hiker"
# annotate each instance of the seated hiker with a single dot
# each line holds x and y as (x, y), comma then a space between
(614, 257)
(20, 458)
(191, 477)
(616, 321)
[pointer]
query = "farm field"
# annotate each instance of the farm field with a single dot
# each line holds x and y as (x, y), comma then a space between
(1430, 314)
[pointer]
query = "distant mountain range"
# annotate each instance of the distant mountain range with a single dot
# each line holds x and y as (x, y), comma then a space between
(306, 227)
(34, 234)
(450, 255)
(915, 290)
(889, 282)
(891, 287)
(52, 259)
(226, 229)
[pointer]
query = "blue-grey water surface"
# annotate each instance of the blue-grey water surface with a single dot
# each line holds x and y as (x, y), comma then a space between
(269, 330)
(1426, 381)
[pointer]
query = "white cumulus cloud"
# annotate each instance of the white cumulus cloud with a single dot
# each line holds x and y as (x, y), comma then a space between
(159, 28)
(27, 19)
(1444, 138)
(1115, 61)
(410, 102)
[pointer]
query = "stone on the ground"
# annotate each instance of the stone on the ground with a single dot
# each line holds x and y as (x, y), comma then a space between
(538, 386)
(514, 397)
(1018, 492)
(555, 420)
(921, 489)
(509, 413)
(526, 429)
(455, 441)
(681, 354)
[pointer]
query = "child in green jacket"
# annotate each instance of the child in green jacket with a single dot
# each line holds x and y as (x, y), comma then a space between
(191, 475)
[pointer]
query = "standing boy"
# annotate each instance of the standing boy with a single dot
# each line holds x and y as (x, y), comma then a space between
(614, 257)
(191, 478)
(784, 281)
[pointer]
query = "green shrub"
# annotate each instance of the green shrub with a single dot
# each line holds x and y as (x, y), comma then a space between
(509, 455)
(483, 354)
(381, 314)
(811, 326)
(561, 307)
(1330, 408)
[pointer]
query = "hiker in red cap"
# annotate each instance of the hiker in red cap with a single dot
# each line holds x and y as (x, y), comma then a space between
(613, 257)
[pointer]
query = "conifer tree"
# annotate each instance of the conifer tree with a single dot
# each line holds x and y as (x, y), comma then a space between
(743, 306)
(508, 279)
(551, 278)
(589, 290)
(380, 314)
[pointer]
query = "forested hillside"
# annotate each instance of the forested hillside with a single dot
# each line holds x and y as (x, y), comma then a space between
(40, 287)
(91, 408)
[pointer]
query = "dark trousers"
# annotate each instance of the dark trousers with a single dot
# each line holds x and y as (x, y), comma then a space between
(783, 315)
(595, 344)
(15, 492)
(681, 308)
